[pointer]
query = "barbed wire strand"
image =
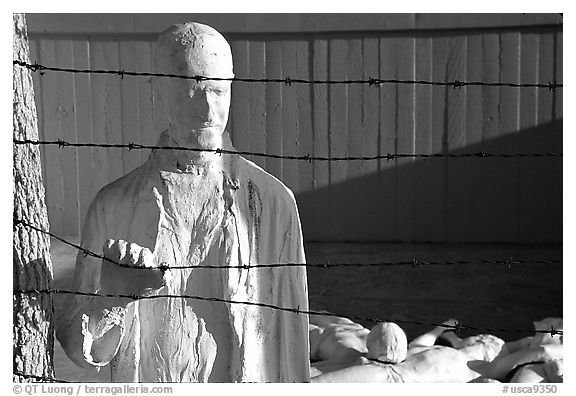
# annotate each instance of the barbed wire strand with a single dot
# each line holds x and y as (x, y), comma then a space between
(415, 262)
(289, 81)
(388, 157)
(457, 327)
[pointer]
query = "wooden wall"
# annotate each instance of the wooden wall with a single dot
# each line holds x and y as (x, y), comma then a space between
(441, 200)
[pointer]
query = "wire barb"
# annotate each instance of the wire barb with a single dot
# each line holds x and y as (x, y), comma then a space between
(553, 332)
(458, 326)
(458, 84)
(373, 82)
(508, 263)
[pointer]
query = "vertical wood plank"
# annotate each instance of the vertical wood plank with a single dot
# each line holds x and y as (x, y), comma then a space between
(98, 93)
(130, 104)
(306, 132)
(66, 117)
(257, 66)
(62, 178)
(320, 202)
(526, 226)
(490, 131)
(338, 135)
(274, 100)
(505, 218)
(159, 118)
(426, 208)
(405, 138)
(387, 141)
(556, 217)
(548, 171)
(48, 130)
(37, 81)
(242, 135)
(474, 118)
(354, 192)
(107, 124)
(439, 142)
(148, 133)
(83, 103)
(458, 184)
(558, 76)
(290, 126)
(372, 214)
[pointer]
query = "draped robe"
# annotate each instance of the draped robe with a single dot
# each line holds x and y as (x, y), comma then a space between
(229, 212)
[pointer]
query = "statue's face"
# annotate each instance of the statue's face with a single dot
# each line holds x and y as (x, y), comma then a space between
(197, 111)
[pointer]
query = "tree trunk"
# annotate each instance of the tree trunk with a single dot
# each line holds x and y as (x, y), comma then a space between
(33, 328)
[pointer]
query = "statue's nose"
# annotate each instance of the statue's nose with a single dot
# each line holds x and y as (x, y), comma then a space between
(201, 106)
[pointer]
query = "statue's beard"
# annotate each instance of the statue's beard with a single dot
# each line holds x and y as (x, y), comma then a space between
(207, 138)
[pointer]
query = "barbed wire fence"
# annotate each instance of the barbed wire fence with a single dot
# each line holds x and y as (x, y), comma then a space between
(415, 262)
(388, 157)
(35, 67)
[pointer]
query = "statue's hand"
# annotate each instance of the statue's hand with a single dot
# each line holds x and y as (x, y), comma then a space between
(115, 279)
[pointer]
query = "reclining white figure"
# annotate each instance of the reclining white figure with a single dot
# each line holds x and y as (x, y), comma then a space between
(537, 358)
(381, 355)
(184, 208)
(390, 359)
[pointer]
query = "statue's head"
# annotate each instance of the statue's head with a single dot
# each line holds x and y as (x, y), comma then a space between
(387, 342)
(197, 110)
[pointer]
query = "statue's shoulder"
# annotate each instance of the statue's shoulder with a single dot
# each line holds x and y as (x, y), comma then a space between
(122, 188)
(265, 182)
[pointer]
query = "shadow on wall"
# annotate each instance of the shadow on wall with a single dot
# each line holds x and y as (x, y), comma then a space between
(511, 200)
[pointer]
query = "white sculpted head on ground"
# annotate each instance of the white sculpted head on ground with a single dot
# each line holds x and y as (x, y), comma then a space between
(387, 342)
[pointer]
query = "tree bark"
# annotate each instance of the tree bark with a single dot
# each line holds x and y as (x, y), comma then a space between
(33, 327)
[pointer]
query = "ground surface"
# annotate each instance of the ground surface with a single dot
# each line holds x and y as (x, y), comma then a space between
(480, 295)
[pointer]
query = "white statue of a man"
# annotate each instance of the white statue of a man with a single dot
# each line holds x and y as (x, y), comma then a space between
(184, 208)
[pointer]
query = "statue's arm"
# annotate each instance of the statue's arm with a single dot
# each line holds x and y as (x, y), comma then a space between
(89, 328)
(294, 293)
(501, 366)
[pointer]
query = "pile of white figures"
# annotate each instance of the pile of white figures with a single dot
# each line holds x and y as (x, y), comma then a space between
(344, 351)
